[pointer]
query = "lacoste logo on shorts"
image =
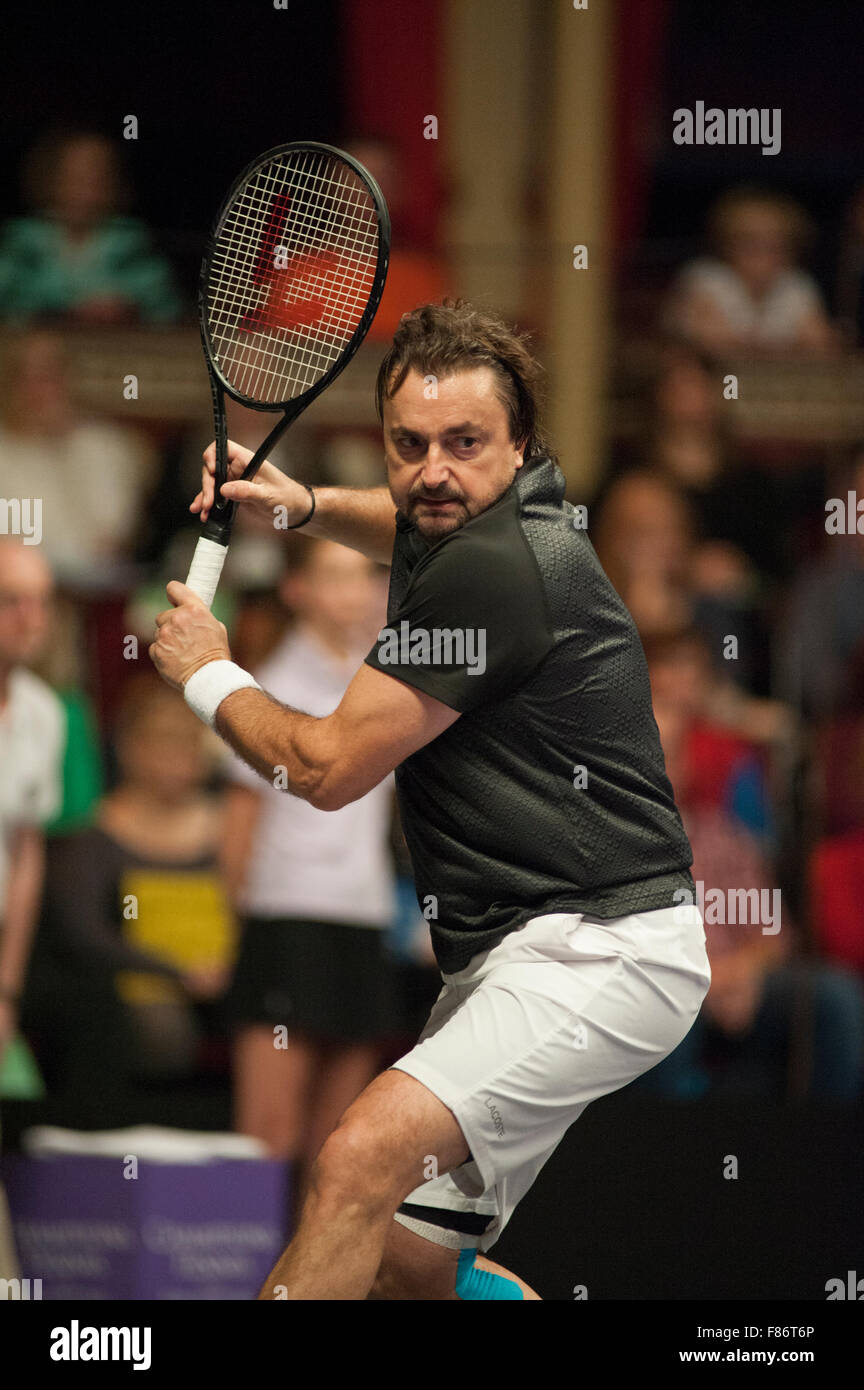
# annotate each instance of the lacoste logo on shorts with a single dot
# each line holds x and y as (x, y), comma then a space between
(496, 1116)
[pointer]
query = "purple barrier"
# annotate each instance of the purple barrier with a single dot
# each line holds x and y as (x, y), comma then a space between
(176, 1231)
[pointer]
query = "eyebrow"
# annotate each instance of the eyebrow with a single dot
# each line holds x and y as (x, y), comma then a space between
(467, 428)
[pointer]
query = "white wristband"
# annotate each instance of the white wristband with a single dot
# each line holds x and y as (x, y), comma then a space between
(207, 687)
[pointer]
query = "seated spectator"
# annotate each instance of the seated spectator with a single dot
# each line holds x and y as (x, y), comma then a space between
(136, 929)
(76, 257)
(644, 531)
(88, 477)
(775, 1023)
(751, 297)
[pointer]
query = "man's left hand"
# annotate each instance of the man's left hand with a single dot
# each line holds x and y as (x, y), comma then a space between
(187, 637)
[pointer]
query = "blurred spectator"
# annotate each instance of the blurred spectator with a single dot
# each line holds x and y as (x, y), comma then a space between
(315, 888)
(645, 536)
(688, 441)
(136, 928)
(751, 297)
(774, 1024)
(31, 748)
(823, 630)
(88, 478)
(76, 257)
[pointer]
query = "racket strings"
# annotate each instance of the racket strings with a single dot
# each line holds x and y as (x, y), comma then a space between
(291, 275)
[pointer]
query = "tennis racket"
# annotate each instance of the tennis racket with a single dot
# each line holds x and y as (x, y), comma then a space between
(290, 282)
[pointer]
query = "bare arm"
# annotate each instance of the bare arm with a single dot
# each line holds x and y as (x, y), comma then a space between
(332, 761)
(27, 868)
(242, 810)
(23, 896)
(361, 518)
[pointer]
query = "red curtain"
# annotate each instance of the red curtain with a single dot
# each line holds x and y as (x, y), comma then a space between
(391, 83)
(640, 34)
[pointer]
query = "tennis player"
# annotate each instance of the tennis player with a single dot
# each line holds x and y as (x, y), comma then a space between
(510, 694)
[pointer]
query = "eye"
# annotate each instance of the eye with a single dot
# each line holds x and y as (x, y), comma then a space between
(466, 441)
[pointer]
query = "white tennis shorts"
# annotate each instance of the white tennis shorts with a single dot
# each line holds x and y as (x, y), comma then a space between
(561, 1011)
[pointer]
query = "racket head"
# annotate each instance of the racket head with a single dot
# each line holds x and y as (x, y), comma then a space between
(292, 275)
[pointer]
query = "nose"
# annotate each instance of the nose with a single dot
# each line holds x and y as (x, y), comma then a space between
(435, 469)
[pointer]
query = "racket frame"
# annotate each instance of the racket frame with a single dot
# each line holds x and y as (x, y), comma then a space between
(218, 525)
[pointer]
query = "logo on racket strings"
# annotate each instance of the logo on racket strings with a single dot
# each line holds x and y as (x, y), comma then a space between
(315, 274)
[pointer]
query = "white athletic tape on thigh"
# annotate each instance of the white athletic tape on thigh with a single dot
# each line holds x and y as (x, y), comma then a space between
(206, 568)
(207, 687)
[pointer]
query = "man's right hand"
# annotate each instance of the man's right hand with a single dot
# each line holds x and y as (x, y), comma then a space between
(260, 497)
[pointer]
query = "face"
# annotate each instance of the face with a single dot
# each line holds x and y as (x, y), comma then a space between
(645, 530)
(25, 604)
(757, 246)
(686, 395)
(339, 592)
(449, 457)
(85, 182)
(164, 751)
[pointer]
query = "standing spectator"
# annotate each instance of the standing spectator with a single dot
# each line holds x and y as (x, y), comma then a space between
(130, 962)
(31, 749)
(751, 296)
(77, 258)
(316, 888)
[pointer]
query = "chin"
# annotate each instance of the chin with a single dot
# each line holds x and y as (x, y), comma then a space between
(434, 528)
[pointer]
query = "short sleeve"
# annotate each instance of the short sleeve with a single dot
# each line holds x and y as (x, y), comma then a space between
(473, 623)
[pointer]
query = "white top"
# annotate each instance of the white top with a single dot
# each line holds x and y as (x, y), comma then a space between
(89, 485)
(32, 741)
(775, 319)
(332, 866)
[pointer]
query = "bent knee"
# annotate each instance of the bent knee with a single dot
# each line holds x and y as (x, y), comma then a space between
(354, 1167)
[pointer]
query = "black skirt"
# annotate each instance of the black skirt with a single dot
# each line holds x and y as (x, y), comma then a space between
(332, 981)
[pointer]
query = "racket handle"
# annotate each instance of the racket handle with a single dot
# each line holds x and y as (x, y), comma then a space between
(206, 567)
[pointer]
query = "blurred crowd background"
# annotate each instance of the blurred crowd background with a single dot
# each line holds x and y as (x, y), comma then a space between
(705, 400)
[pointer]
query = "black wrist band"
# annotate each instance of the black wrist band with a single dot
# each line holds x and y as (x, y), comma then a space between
(311, 513)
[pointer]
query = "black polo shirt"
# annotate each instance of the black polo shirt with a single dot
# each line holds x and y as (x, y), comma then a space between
(549, 794)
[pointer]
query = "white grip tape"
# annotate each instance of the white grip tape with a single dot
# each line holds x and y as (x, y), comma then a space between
(206, 567)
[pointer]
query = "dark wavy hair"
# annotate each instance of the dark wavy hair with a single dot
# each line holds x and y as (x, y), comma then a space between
(440, 339)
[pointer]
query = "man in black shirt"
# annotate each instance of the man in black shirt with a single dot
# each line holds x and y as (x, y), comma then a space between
(509, 691)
